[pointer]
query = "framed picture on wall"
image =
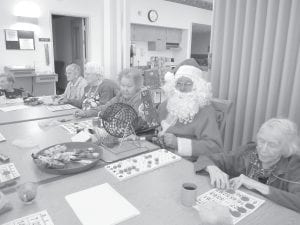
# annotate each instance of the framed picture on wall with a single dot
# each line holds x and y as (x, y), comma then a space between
(19, 40)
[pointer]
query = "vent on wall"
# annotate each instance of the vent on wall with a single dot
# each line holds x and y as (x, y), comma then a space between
(172, 45)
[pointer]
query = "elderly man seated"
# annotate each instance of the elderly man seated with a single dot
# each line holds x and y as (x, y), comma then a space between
(75, 87)
(271, 167)
(188, 120)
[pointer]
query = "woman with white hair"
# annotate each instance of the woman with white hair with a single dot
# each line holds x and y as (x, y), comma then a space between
(75, 87)
(271, 167)
(188, 120)
(98, 92)
(131, 82)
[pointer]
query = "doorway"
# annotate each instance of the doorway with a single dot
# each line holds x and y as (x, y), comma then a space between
(69, 43)
(201, 44)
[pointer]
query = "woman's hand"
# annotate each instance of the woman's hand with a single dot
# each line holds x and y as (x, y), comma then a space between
(80, 114)
(170, 140)
(242, 180)
(218, 178)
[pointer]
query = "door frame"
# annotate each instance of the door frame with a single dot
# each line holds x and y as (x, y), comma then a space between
(87, 31)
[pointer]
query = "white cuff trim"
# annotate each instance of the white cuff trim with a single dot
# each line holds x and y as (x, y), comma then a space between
(184, 146)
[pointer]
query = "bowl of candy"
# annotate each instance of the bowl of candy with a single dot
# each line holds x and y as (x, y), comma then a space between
(68, 158)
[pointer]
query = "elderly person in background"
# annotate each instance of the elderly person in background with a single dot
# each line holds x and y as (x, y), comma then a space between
(188, 120)
(98, 92)
(271, 167)
(75, 87)
(7, 81)
(131, 82)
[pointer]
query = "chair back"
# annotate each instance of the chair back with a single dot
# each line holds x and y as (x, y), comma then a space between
(222, 108)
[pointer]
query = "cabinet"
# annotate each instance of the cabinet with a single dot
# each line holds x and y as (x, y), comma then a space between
(35, 84)
(173, 35)
(142, 33)
(44, 84)
(158, 45)
(152, 33)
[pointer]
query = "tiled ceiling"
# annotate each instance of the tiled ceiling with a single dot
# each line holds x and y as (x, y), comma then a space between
(203, 4)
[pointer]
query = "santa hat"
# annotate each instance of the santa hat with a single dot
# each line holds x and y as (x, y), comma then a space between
(195, 74)
(191, 72)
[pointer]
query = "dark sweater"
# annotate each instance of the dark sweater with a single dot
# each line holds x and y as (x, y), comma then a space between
(284, 181)
(16, 93)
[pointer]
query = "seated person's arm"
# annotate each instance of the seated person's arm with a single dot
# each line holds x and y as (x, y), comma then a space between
(208, 137)
(99, 109)
(232, 163)
(291, 197)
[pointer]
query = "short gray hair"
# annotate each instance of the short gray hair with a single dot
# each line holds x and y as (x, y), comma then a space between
(74, 68)
(9, 77)
(95, 68)
(289, 133)
(134, 74)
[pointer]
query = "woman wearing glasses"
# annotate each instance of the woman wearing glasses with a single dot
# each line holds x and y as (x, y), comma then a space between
(271, 167)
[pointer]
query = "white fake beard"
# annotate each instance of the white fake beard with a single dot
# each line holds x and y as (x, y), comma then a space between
(183, 105)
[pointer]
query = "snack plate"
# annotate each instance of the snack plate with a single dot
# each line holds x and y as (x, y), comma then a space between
(73, 166)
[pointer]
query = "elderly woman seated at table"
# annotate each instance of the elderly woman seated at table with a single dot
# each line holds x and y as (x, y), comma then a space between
(271, 167)
(98, 92)
(7, 81)
(131, 82)
(188, 120)
(75, 87)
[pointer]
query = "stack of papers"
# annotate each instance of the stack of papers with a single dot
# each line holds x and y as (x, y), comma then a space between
(101, 205)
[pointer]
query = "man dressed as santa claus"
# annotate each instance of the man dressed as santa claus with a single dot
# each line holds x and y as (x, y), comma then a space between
(188, 120)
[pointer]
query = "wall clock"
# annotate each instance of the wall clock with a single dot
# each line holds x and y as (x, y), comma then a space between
(152, 15)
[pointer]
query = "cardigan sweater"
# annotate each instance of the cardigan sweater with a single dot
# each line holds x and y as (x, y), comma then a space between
(284, 181)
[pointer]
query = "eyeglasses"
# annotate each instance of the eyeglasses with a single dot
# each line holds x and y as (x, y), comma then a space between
(262, 143)
(184, 84)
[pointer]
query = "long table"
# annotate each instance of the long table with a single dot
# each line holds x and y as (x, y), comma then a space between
(31, 113)
(45, 137)
(155, 194)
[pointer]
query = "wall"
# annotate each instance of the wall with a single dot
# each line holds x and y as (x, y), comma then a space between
(169, 15)
(200, 43)
(85, 8)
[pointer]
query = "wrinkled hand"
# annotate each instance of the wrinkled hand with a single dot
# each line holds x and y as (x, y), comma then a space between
(170, 140)
(218, 178)
(242, 180)
(80, 114)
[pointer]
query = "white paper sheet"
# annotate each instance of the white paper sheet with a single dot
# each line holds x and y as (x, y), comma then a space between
(13, 108)
(26, 44)
(101, 205)
(55, 108)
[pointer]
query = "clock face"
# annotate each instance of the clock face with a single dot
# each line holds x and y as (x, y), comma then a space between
(152, 15)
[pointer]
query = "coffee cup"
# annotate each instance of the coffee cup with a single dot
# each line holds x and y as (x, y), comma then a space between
(188, 194)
